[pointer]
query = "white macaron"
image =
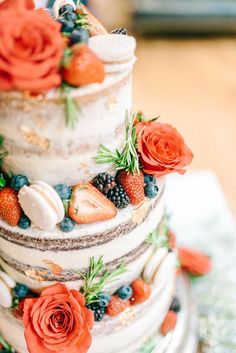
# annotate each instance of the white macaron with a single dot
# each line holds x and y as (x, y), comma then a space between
(5, 295)
(154, 263)
(10, 283)
(42, 205)
(165, 270)
(113, 48)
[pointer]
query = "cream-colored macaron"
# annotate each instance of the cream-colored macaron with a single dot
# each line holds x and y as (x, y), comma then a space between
(154, 263)
(113, 48)
(42, 205)
(5, 295)
(165, 270)
(10, 283)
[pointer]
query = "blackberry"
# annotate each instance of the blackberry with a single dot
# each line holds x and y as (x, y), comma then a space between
(98, 311)
(118, 197)
(104, 182)
(120, 31)
(175, 305)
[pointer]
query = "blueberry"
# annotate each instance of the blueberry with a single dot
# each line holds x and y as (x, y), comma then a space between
(79, 35)
(150, 191)
(24, 222)
(125, 292)
(67, 225)
(175, 305)
(69, 16)
(104, 299)
(21, 291)
(66, 8)
(63, 191)
(66, 26)
(18, 181)
(149, 179)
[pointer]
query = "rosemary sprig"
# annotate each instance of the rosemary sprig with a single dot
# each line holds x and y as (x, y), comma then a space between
(159, 237)
(96, 278)
(6, 346)
(127, 159)
(148, 346)
(71, 107)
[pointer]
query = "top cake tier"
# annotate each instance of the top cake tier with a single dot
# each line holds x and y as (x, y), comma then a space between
(41, 146)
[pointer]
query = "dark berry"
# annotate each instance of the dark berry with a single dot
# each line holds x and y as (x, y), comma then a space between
(63, 191)
(125, 292)
(66, 8)
(21, 291)
(69, 16)
(24, 222)
(149, 179)
(104, 300)
(79, 35)
(150, 191)
(66, 26)
(98, 312)
(170, 250)
(118, 197)
(175, 305)
(120, 31)
(104, 182)
(18, 181)
(67, 225)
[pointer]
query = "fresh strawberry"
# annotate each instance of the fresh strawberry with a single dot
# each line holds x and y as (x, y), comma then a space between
(83, 67)
(141, 291)
(169, 322)
(96, 28)
(116, 306)
(133, 184)
(89, 205)
(10, 210)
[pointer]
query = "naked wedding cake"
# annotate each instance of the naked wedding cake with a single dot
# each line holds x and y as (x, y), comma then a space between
(87, 262)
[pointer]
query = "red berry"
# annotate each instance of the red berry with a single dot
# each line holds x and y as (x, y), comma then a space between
(10, 210)
(116, 306)
(133, 184)
(169, 322)
(141, 291)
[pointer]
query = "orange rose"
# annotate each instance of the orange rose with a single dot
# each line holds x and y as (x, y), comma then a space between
(6, 4)
(57, 321)
(31, 50)
(194, 262)
(162, 149)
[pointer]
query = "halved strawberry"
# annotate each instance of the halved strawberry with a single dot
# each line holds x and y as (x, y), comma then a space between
(96, 27)
(89, 205)
(84, 67)
(10, 210)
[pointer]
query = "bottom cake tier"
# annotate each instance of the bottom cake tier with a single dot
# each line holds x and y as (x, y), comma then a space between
(136, 330)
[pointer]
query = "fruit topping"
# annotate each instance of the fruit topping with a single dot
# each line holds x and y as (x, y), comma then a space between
(104, 299)
(118, 197)
(104, 182)
(150, 191)
(169, 323)
(141, 291)
(63, 191)
(120, 30)
(133, 184)
(66, 8)
(89, 205)
(67, 225)
(98, 311)
(117, 306)
(10, 210)
(24, 222)
(149, 179)
(18, 181)
(125, 292)
(194, 262)
(21, 291)
(175, 305)
(83, 67)
(79, 35)
(96, 27)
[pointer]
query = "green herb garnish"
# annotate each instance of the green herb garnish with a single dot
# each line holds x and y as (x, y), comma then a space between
(127, 159)
(72, 109)
(96, 278)
(3, 152)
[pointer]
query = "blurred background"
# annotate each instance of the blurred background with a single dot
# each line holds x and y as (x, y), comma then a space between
(186, 72)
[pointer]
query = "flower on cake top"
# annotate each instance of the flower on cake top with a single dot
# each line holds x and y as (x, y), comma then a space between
(161, 148)
(57, 321)
(31, 48)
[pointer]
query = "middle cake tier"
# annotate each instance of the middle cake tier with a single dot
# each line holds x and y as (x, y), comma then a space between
(39, 259)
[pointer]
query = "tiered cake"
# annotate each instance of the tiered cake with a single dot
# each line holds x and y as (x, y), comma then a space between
(87, 261)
